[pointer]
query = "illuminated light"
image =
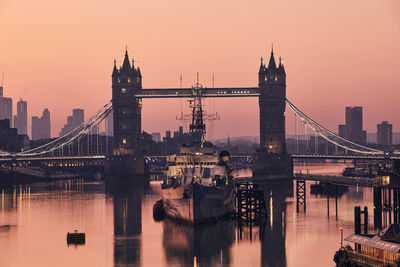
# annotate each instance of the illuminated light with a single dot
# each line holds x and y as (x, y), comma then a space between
(270, 147)
(276, 77)
(266, 78)
(124, 141)
(119, 80)
(123, 90)
(129, 80)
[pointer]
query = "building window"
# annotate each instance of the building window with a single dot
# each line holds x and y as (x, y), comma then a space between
(266, 78)
(129, 80)
(124, 141)
(276, 77)
(123, 90)
(124, 126)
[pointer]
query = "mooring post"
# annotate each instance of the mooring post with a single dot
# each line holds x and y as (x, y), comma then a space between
(365, 220)
(377, 207)
(357, 220)
(390, 204)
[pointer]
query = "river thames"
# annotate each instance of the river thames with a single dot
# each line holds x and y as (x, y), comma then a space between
(120, 229)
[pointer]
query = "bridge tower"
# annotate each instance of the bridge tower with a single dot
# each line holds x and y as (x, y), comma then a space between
(127, 157)
(271, 157)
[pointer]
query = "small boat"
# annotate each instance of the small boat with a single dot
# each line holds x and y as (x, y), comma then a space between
(76, 237)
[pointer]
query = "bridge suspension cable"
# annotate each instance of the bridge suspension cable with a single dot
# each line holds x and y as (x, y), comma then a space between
(331, 136)
(76, 134)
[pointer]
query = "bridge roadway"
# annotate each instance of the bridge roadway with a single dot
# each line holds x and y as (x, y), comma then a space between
(317, 156)
(205, 92)
(295, 156)
(370, 157)
(47, 158)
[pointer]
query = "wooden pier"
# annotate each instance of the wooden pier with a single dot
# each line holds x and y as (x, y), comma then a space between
(336, 179)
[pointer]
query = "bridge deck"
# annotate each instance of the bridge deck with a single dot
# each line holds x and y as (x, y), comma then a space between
(205, 92)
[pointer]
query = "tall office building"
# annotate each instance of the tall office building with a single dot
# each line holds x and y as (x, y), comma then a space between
(21, 119)
(5, 107)
(73, 121)
(156, 137)
(41, 126)
(353, 129)
(110, 124)
(384, 134)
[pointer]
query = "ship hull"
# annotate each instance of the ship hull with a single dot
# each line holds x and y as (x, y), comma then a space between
(196, 204)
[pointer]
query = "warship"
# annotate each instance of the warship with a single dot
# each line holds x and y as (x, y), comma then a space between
(198, 187)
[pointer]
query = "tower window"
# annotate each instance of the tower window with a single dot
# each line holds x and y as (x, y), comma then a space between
(124, 141)
(276, 77)
(266, 78)
(129, 80)
(123, 90)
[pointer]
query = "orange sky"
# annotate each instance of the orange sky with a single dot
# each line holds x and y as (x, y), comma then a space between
(336, 53)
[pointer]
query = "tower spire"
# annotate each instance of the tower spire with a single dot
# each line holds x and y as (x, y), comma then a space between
(126, 66)
(115, 71)
(261, 65)
(272, 63)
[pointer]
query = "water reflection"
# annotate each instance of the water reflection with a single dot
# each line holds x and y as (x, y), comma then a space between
(117, 218)
(203, 245)
(127, 210)
(274, 242)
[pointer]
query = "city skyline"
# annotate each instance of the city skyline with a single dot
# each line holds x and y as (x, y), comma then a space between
(336, 63)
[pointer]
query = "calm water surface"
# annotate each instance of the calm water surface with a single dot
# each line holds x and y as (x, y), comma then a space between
(120, 230)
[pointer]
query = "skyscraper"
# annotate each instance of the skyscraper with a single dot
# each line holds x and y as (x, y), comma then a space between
(41, 126)
(73, 121)
(353, 129)
(21, 119)
(5, 107)
(110, 124)
(384, 134)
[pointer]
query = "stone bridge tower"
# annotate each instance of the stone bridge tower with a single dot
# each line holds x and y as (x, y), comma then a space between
(127, 157)
(271, 157)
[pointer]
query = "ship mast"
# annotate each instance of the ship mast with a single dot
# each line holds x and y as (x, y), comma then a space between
(197, 128)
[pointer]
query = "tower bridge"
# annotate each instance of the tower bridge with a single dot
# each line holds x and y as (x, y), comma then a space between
(126, 156)
(127, 96)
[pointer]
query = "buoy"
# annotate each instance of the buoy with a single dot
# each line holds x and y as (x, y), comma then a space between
(76, 237)
(158, 211)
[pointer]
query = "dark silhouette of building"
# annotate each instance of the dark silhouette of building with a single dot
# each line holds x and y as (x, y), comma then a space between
(384, 134)
(272, 83)
(21, 119)
(127, 155)
(353, 128)
(41, 126)
(10, 140)
(272, 157)
(127, 108)
(73, 121)
(5, 107)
